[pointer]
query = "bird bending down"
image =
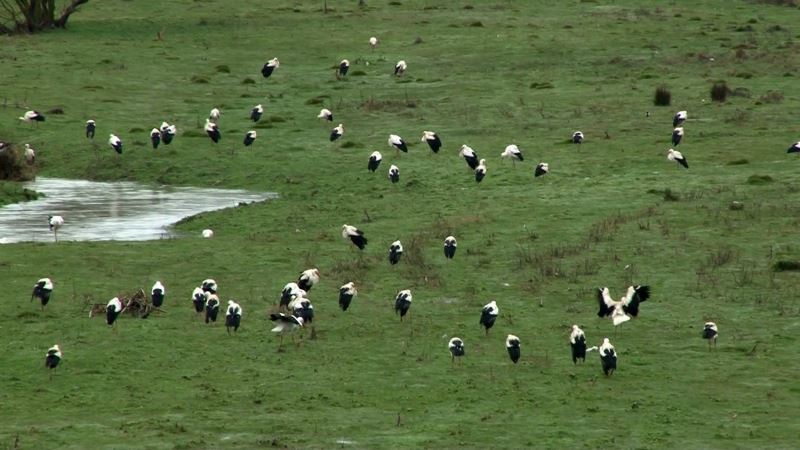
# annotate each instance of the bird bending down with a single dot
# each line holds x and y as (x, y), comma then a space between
(55, 222)
(710, 333)
(233, 316)
(400, 68)
(212, 130)
(355, 235)
(577, 137)
(250, 137)
(577, 340)
(395, 252)
(397, 143)
(394, 174)
(32, 116)
(795, 148)
(374, 161)
(270, 67)
(626, 305)
(489, 315)
(308, 278)
(513, 348)
(209, 285)
(285, 324)
(325, 114)
(256, 112)
(450, 247)
(115, 142)
(541, 169)
(157, 294)
(52, 358)
(113, 309)
(337, 132)
(674, 155)
(402, 303)
(513, 153)
(42, 290)
(480, 171)
(433, 141)
(679, 118)
(346, 294)
(207, 233)
(469, 156)
(456, 347)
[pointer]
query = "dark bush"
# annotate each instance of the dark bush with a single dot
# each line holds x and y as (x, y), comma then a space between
(13, 166)
(783, 266)
(720, 91)
(663, 96)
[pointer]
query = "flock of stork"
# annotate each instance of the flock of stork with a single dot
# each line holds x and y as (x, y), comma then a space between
(296, 310)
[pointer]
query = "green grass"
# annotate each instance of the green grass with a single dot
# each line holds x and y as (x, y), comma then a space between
(613, 211)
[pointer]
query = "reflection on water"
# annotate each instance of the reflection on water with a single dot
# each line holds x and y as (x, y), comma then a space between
(120, 211)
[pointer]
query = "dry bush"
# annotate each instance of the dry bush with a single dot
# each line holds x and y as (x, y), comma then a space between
(720, 91)
(13, 166)
(663, 96)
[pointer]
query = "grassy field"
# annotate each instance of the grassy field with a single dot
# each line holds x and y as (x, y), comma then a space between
(612, 212)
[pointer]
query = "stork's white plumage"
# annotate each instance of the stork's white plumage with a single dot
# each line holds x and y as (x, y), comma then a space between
(541, 169)
(432, 140)
(620, 310)
(577, 340)
(355, 235)
(513, 348)
(674, 155)
(346, 294)
(397, 143)
(32, 116)
(677, 135)
(270, 67)
(480, 171)
(115, 142)
(608, 357)
(212, 130)
(91, 125)
(710, 333)
(289, 292)
(513, 153)
(679, 118)
(337, 132)
(373, 42)
(208, 233)
(469, 156)
(55, 222)
(402, 302)
(308, 278)
(344, 66)
(214, 115)
(326, 114)
(456, 348)
(157, 294)
(250, 137)
(374, 161)
(400, 68)
(395, 252)
(489, 315)
(233, 316)
(30, 154)
(155, 137)
(795, 148)
(198, 299)
(168, 132)
(209, 285)
(256, 113)
(394, 173)
(450, 245)
(577, 137)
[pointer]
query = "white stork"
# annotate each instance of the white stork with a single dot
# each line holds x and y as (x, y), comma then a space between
(344, 66)
(674, 155)
(30, 154)
(337, 132)
(577, 340)
(55, 222)
(795, 148)
(214, 115)
(212, 130)
(373, 42)
(32, 116)
(541, 169)
(207, 233)
(198, 300)
(679, 118)
(433, 141)
(355, 235)
(374, 161)
(513, 348)
(256, 112)
(90, 127)
(212, 307)
(620, 310)
(710, 333)
(513, 153)
(469, 156)
(395, 252)
(157, 294)
(250, 137)
(42, 290)
(308, 278)
(397, 143)
(168, 132)
(489, 315)
(285, 324)
(577, 137)
(677, 135)
(394, 174)
(209, 285)
(450, 247)
(269, 67)
(233, 316)
(52, 358)
(113, 309)
(456, 348)
(480, 171)
(115, 142)
(608, 356)
(402, 302)
(400, 68)
(155, 137)
(326, 114)
(346, 294)
(289, 292)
